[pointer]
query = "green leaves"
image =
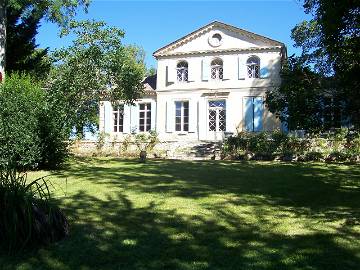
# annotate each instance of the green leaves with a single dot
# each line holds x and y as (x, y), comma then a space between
(96, 66)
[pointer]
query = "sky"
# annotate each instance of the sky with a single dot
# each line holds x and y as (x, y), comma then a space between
(153, 24)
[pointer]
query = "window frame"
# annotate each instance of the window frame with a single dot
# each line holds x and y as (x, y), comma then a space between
(253, 67)
(218, 68)
(184, 125)
(147, 119)
(117, 127)
(183, 71)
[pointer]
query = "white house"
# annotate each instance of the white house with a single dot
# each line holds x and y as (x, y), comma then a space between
(209, 83)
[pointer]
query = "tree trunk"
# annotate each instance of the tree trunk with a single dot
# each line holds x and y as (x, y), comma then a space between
(2, 38)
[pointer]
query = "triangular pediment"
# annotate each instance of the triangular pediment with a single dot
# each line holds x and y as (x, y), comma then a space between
(217, 36)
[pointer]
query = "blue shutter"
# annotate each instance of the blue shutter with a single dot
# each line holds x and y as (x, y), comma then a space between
(153, 115)
(249, 114)
(258, 114)
(109, 119)
(264, 70)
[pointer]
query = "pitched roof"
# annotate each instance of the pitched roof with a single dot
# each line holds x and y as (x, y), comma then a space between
(210, 26)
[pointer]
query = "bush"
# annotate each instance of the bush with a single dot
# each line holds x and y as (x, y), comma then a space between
(32, 129)
(314, 156)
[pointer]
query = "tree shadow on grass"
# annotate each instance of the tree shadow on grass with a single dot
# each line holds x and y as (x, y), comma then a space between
(110, 232)
(325, 190)
(113, 234)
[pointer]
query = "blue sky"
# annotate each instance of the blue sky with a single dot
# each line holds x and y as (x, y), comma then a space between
(153, 24)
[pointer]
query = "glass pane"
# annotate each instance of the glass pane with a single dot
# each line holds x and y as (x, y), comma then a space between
(142, 106)
(149, 106)
(148, 127)
(142, 114)
(142, 121)
(148, 114)
(186, 127)
(178, 127)
(148, 121)
(186, 105)
(177, 120)
(178, 113)
(212, 120)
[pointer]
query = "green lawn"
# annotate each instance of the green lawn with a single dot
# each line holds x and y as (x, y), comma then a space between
(203, 215)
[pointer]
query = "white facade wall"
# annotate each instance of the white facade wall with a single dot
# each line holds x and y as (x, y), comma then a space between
(235, 87)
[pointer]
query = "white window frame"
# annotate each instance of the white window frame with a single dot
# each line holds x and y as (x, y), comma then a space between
(253, 67)
(217, 68)
(145, 111)
(182, 116)
(182, 71)
(116, 116)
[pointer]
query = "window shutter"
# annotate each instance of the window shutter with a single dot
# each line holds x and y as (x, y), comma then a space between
(191, 73)
(248, 113)
(227, 69)
(205, 70)
(241, 69)
(134, 127)
(153, 115)
(170, 116)
(227, 116)
(109, 119)
(193, 115)
(258, 114)
(264, 70)
(126, 128)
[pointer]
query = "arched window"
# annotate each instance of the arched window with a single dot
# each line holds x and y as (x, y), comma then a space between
(253, 67)
(217, 69)
(182, 71)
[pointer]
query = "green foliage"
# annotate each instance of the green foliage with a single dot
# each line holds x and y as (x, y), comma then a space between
(22, 54)
(32, 130)
(95, 66)
(298, 100)
(21, 103)
(146, 141)
(341, 145)
(27, 217)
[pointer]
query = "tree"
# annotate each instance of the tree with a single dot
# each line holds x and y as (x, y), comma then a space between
(96, 66)
(57, 11)
(329, 66)
(22, 54)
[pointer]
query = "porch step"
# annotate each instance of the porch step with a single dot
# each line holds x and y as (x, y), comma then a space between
(198, 151)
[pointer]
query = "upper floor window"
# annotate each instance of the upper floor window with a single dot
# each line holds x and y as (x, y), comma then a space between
(253, 67)
(144, 117)
(118, 114)
(182, 71)
(217, 69)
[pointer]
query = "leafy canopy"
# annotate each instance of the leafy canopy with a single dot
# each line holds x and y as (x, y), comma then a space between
(95, 66)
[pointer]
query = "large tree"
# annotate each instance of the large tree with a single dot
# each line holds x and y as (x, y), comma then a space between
(95, 66)
(330, 54)
(57, 11)
(22, 54)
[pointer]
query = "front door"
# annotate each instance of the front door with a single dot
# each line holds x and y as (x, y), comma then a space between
(216, 119)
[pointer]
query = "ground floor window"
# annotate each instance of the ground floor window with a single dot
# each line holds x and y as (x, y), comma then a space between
(144, 117)
(182, 115)
(118, 114)
(217, 115)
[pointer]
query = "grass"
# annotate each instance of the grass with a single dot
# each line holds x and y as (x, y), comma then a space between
(203, 215)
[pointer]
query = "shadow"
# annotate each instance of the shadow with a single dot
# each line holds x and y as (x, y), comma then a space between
(204, 215)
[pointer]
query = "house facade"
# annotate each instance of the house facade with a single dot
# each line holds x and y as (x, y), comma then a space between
(210, 84)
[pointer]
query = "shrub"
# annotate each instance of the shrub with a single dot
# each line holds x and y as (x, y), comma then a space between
(314, 156)
(32, 129)
(27, 217)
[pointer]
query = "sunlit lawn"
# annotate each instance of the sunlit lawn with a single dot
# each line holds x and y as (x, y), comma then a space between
(203, 215)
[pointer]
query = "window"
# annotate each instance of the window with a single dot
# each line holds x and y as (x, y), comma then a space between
(144, 117)
(217, 69)
(217, 115)
(182, 115)
(182, 71)
(253, 67)
(118, 114)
